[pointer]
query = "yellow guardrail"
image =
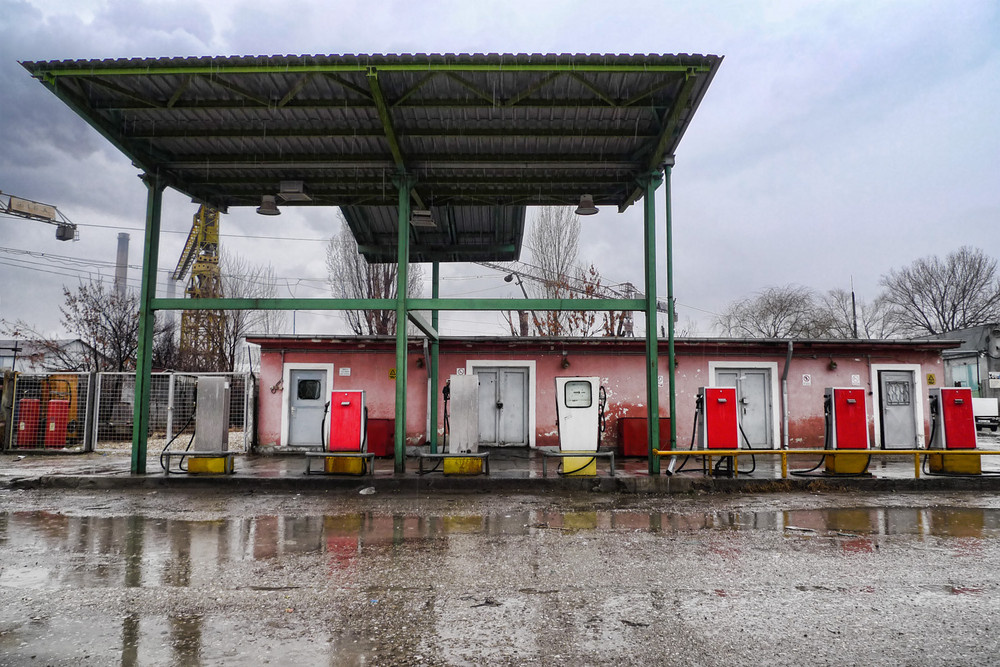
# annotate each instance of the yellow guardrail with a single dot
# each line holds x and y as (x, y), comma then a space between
(785, 453)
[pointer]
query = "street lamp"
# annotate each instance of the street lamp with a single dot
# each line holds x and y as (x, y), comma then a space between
(522, 316)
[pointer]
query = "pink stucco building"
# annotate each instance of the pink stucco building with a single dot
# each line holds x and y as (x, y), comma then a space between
(780, 385)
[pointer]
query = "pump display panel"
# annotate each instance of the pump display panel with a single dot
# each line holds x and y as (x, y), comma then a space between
(579, 394)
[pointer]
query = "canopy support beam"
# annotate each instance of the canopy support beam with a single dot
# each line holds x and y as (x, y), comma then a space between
(649, 183)
(144, 352)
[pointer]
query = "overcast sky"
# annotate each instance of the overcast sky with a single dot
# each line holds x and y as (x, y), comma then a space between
(839, 139)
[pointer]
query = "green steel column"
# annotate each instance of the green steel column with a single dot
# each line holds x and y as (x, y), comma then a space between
(144, 353)
(404, 184)
(433, 407)
(650, 183)
(671, 357)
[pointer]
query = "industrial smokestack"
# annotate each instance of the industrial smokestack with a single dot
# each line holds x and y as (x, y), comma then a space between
(121, 266)
(169, 315)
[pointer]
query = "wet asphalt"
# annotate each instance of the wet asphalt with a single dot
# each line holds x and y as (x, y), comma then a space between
(202, 577)
(270, 566)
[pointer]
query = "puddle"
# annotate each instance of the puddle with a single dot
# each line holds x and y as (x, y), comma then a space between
(298, 589)
(58, 551)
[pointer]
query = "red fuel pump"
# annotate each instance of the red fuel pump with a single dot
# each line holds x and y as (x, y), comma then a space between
(348, 432)
(347, 422)
(846, 419)
(720, 426)
(953, 427)
(717, 426)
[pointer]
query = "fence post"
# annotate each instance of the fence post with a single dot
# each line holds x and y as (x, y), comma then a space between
(170, 407)
(90, 420)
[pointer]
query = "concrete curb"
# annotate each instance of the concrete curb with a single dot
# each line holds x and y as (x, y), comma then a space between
(412, 485)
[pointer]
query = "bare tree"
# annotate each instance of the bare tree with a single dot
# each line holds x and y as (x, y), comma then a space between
(166, 345)
(242, 279)
(875, 319)
(554, 242)
(775, 312)
(935, 296)
(106, 323)
(351, 276)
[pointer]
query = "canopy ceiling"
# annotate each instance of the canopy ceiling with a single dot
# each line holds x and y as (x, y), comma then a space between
(482, 135)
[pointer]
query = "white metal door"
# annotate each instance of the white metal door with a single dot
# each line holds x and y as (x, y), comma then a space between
(503, 406)
(897, 406)
(753, 393)
(306, 407)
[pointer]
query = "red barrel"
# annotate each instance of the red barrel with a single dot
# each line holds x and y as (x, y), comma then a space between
(56, 422)
(28, 414)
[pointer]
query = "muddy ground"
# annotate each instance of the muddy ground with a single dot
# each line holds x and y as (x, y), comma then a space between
(206, 578)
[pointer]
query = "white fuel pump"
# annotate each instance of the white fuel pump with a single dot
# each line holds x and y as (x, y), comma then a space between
(579, 410)
(212, 415)
(578, 413)
(463, 414)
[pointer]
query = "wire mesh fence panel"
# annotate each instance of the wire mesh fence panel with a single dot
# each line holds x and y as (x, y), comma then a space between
(113, 414)
(51, 411)
(172, 410)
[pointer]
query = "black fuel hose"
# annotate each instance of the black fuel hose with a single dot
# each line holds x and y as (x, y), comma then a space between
(164, 460)
(582, 467)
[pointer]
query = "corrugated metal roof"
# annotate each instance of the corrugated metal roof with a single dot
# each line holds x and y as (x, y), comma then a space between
(483, 134)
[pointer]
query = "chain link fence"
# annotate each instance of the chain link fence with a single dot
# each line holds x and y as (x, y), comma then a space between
(172, 399)
(96, 411)
(50, 411)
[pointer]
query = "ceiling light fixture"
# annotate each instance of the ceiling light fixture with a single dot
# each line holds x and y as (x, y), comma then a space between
(422, 218)
(268, 206)
(293, 191)
(586, 206)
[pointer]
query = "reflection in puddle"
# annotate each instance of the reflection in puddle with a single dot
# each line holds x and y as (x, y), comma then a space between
(87, 551)
(279, 554)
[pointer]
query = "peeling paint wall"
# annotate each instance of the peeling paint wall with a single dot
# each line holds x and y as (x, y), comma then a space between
(620, 365)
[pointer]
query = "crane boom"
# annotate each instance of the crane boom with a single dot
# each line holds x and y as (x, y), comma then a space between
(200, 256)
(202, 241)
(624, 290)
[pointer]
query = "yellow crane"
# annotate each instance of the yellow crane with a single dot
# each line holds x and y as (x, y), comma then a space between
(201, 330)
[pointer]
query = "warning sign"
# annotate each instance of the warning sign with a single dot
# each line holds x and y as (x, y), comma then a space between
(931, 379)
(392, 373)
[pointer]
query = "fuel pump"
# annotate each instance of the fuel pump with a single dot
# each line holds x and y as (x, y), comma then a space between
(716, 426)
(348, 432)
(953, 427)
(846, 427)
(348, 422)
(207, 450)
(580, 403)
(719, 424)
(463, 417)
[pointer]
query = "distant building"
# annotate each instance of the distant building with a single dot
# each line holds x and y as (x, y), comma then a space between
(976, 362)
(26, 356)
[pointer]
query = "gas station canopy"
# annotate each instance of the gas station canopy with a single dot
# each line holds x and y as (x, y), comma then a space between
(480, 135)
